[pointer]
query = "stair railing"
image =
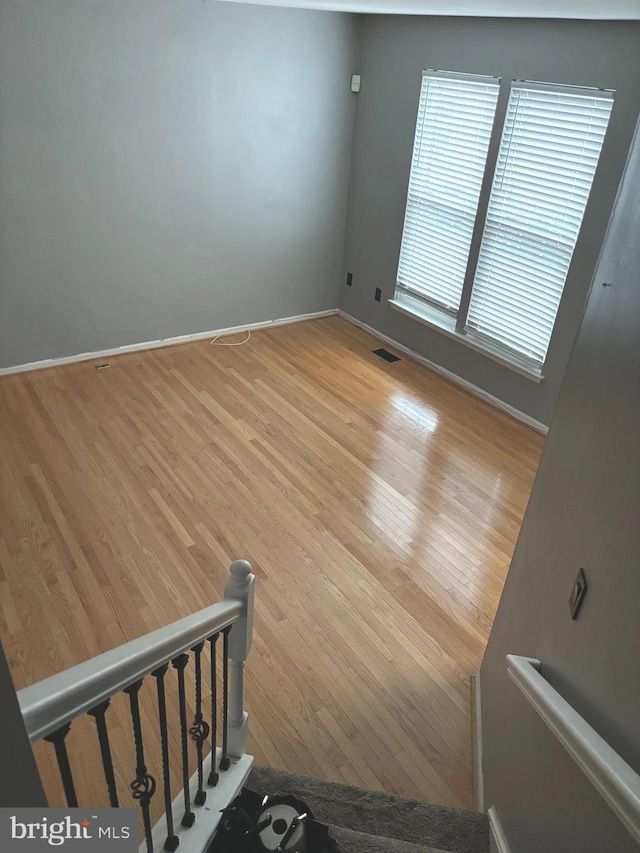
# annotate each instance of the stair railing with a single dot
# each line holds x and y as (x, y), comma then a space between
(50, 706)
(615, 780)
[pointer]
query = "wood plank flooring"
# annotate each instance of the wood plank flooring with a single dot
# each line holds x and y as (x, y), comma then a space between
(378, 504)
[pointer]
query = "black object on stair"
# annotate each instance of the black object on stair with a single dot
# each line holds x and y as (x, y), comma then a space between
(254, 823)
(375, 822)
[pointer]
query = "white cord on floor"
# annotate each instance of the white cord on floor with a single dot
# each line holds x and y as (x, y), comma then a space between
(238, 344)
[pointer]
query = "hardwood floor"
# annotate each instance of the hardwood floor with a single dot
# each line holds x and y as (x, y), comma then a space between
(378, 503)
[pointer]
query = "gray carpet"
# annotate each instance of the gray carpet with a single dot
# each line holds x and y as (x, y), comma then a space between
(373, 822)
(361, 842)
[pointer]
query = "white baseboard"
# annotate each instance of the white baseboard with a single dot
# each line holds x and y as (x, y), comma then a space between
(453, 377)
(478, 781)
(499, 842)
(164, 342)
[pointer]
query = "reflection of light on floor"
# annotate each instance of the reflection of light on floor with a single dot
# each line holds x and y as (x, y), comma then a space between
(397, 517)
(422, 415)
(495, 494)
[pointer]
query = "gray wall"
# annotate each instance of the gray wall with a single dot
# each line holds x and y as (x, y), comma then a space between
(20, 783)
(167, 167)
(583, 512)
(394, 52)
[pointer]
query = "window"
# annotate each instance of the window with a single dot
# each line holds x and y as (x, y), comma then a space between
(455, 117)
(508, 297)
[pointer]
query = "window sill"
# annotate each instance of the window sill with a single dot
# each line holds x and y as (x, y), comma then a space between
(447, 326)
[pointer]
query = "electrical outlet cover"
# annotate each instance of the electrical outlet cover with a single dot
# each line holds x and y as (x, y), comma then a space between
(577, 594)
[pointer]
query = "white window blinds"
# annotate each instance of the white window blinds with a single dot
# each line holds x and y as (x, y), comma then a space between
(547, 159)
(455, 118)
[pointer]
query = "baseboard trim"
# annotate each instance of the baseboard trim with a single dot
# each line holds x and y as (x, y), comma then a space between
(453, 377)
(498, 838)
(476, 727)
(164, 342)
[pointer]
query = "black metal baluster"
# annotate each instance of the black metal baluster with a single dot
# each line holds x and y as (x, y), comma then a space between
(213, 775)
(180, 663)
(199, 731)
(172, 842)
(224, 760)
(57, 739)
(144, 785)
(98, 713)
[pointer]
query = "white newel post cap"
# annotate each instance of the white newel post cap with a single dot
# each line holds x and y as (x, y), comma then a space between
(240, 569)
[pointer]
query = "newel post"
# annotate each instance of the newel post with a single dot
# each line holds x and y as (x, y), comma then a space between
(241, 585)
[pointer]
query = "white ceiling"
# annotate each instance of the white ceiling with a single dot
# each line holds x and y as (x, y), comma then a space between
(602, 10)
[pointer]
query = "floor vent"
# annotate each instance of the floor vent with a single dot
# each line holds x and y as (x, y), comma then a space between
(386, 355)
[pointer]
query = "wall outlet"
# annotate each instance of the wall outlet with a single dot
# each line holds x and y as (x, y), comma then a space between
(378, 294)
(349, 279)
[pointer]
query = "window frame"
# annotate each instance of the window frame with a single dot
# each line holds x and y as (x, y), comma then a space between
(480, 79)
(453, 324)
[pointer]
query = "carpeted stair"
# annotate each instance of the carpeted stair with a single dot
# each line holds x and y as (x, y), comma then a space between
(373, 822)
